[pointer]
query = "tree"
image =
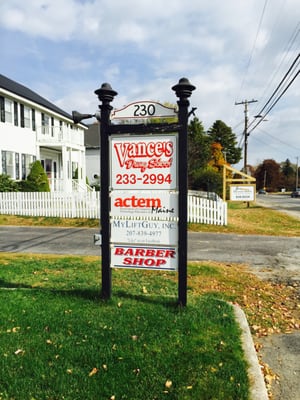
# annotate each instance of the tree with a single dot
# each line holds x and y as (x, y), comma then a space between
(208, 179)
(288, 175)
(37, 180)
(268, 175)
(198, 151)
(221, 133)
(217, 159)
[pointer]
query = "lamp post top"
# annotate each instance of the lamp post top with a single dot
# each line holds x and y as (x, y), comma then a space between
(184, 88)
(106, 93)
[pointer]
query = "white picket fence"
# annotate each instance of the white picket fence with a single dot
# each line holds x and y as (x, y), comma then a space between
(87, 205)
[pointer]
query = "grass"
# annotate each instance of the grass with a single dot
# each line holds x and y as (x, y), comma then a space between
(253, 220)
(58, 340)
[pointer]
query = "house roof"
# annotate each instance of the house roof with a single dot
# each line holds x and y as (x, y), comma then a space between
(23, 91)
(92, 136)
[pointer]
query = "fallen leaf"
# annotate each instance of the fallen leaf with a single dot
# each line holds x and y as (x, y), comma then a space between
(19, 351)
(93, 371)
(168, 384)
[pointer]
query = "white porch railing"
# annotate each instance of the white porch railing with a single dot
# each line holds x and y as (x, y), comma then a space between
(87, 205)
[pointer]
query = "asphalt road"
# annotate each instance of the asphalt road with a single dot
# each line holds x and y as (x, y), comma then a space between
(281, 202)
(267, 255)
(261, 253)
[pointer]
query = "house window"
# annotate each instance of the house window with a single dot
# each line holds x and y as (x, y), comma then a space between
(25, 116)
(27, 160)
(8, 110)
(3, 158)
(45, 124)
(2, 112)
(17, 165)
(33, 119)
(16, 114)
(8, 163)
(52, 126)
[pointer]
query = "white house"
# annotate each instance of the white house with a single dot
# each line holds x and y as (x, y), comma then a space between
(92, 148)
(32, 128)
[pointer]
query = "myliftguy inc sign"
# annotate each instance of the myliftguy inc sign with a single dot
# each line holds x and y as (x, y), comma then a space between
(144, 187)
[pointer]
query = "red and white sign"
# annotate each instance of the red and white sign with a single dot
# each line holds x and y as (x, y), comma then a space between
(144, 231)
(144, 257)
(161, 204)
(139, 162)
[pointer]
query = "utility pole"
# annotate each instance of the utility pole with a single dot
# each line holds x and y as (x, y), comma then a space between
(297, 172)
(246, 134)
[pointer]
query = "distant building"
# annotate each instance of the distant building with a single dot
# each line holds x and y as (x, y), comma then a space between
(92, 148)
(32, 128)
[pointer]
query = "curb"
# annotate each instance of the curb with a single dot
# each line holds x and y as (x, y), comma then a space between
(258, 389)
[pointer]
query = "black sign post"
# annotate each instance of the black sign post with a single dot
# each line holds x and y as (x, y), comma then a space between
(106, 95)
(183, 91)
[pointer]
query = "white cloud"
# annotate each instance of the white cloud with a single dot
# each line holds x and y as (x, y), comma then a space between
(68, 48)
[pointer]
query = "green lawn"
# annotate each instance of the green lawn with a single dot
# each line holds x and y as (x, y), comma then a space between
(59, 340)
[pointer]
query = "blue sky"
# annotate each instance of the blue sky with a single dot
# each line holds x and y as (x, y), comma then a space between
(232, 51)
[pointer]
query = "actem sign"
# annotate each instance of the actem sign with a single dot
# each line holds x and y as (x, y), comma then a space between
(151, 204)
(144, 257)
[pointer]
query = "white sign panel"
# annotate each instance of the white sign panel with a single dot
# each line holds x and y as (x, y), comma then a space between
(144, 231)
(144, 257)
(144, 109)
(149, 204)
(242, 192)
(143, 162)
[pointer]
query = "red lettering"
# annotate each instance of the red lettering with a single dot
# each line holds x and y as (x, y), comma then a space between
(170, 253)
(135, 202)
(160, 262)
(150, 253)
(139, 252)
(129, 150)
(119, 251)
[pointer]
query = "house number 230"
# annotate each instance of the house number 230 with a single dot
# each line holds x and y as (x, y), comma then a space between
(142, 110)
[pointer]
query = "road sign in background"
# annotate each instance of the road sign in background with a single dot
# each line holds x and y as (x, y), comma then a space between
(242, 192)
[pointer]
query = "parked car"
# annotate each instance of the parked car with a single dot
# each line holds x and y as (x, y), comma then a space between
(262, 191)
(296, 193)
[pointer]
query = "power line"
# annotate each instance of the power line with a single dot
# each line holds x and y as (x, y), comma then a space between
(286, 52)
(278, 87)
(261, 117)
(254, 44)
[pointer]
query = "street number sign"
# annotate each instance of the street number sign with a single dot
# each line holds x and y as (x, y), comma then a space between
(144, 109)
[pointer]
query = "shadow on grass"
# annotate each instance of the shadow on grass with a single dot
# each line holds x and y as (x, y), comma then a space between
(94, 294)
(149, 299)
